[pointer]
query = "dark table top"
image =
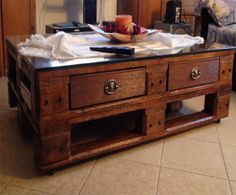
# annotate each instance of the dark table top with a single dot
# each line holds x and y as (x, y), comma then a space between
(42, 64)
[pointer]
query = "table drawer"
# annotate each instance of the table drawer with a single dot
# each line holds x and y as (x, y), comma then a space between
(187, 74)
(104, 87)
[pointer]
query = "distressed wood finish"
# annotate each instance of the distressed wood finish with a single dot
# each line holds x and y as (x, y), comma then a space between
(88, 90)
(73, 119)
(180, 73)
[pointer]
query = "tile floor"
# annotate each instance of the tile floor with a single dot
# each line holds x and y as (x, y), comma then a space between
(201, 161)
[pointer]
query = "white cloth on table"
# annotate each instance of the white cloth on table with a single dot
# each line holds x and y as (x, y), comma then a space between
(64, 46)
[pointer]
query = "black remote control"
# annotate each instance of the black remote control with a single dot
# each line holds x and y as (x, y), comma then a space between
(112, 49)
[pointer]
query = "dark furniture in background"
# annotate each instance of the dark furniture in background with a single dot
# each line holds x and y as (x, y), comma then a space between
(206, 19)
(55, 29)
(189, 15)
(17, 17)
(90, 11)
(156, 10)
(144, 12)
(180, 28)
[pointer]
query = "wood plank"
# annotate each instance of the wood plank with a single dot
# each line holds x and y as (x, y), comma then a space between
(18, 18)
(65, 136)
(188, 121)
(144, 12)
(128, 7)
(149, 11)
(93, 89)
(1, 44)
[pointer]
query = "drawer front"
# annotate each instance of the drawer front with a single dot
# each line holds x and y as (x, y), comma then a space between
(187, 74)
(104, 87)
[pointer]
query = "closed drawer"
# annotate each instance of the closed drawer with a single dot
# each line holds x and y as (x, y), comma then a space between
(187, 74)
(104, 87)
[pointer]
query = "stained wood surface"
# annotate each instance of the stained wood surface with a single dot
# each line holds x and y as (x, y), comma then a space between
(130, 7)
(144, 12)
(180, 73)
(18, 18)
(149, 11)
(73, 120)
(1, 43)
(89, 89)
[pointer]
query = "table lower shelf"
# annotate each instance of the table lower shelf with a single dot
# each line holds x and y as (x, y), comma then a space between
(104, 141)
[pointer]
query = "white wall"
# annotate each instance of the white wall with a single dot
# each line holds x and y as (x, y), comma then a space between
(55, 11)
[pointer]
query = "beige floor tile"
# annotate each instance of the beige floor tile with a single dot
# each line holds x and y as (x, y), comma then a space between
(193, 155)
(4, 103)
(14, 190)
(229, 153)
(227, 132)
(206, 133)
(8, 119)
(68, 181)
(233, 186)
(116, 176)
(12, 135)
(14, 153)
(233, 97)
(232, 112)
(147, 153)
(232, 107)
(13, 160)
(194, 104)
(10, 168)
(175, 182)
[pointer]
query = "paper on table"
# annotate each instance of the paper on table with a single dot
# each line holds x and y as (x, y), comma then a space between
(64, 46)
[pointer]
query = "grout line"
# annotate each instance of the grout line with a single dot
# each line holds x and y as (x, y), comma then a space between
(159, 174)
(30, 189)
(86, 179)
(197, 139)
(227, 144)
(183, 136)
(193, 172)
(224, 161)
(11, 178)
(135, 161)
(3, 187)
(24, 187)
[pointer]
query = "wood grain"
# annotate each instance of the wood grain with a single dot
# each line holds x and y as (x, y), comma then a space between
(72, 119)
(1, 44)
(130, 7)
(144, 12)
(180, 73)
(89, 89)
(18, 18)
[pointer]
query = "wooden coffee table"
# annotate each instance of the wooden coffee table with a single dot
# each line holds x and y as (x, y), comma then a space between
(87, 107)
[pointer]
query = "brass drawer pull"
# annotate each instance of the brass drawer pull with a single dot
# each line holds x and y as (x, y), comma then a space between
(196, 73)
(111, 86)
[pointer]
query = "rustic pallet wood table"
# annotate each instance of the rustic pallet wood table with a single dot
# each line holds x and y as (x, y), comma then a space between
(87, 107)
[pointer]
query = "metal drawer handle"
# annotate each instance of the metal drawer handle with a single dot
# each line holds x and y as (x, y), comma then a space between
(111, 86)
(196, 73)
